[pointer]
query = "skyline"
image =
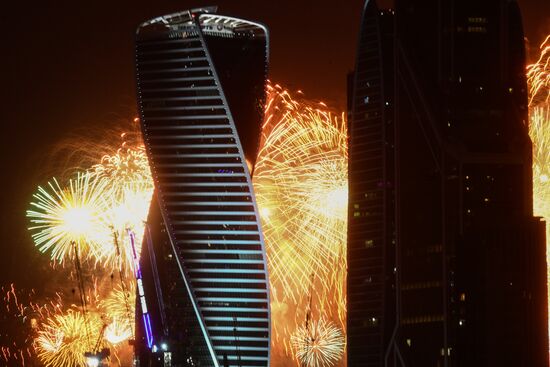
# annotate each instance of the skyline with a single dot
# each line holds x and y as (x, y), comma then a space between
(57, 146)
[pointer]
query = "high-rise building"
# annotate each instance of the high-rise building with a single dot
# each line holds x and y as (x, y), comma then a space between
(370, 286)
(447, 264)
(203, 297)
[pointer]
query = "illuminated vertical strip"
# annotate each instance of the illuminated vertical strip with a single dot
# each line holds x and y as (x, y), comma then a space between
(141, 293)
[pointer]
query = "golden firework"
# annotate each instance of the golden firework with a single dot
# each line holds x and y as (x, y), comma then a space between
(64, 217)
(300, 183)
(126, 168)
(119, 307)
(318, 344)
(128, 177)
(63, 339)
(538, 77)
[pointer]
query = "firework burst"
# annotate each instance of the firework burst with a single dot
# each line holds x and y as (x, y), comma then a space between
(128, 167)
(64, 217)
(319, 344)
(120, 308)
(300, 182)
(64, 338)
(98, 211)
(538, 76)
(128, 177)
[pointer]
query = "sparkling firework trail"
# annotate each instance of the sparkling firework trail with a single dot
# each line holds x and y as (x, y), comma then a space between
(18, 320)
(120, 309)
(97, 210)
(128, 178)
(300, 183)
(128, 167)
(538, 76)
(64, 338)
(62, 216)
(320, 344)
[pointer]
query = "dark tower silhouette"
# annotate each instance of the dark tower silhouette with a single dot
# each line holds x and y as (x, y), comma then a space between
(204, 294)
(371, 226)
(447, 264)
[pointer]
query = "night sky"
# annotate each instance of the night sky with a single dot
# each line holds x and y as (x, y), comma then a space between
(68, 67)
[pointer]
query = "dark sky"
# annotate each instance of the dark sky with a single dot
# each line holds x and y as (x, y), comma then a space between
(69, 65)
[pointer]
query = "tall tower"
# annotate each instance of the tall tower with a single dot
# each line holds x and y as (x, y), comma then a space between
(371, 224)
(201, 81)
(461, 264)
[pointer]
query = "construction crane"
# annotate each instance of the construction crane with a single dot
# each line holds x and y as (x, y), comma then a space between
(96, 357)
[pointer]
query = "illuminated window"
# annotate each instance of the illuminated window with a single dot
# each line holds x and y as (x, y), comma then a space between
(369, 243)
(479, 20)
(372, 322)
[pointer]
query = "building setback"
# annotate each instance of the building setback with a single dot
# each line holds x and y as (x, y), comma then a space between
(447, 265)
(201, 81)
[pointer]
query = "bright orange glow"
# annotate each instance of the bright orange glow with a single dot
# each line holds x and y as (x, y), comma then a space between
(538, 76)
(63, 339)
(62, 217)
(318, 344)
(300, 182)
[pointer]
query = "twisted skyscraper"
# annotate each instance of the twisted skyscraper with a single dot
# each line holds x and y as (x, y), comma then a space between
(204, 297)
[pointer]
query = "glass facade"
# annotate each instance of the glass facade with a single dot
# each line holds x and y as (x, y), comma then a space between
(201, 89)
(371, 228)
(446, 262)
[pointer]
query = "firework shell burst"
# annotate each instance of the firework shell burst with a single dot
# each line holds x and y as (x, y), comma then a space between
(300, 183)
(318, 344)
(64, 338)
(99, 210)
(96, 211)
(63, 217)
(128, 178)
(120, 308)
